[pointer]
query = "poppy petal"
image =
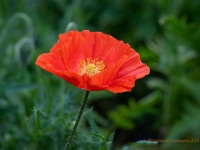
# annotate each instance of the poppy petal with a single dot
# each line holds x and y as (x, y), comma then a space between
(105, 47)
(94, 61)
(69, 48)
(122, 85)
(105, 77)
(51, 63)
(133, 67)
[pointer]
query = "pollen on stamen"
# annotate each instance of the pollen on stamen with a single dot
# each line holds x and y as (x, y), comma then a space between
(90, 66)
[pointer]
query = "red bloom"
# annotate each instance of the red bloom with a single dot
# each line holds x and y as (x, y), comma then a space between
(94, 61)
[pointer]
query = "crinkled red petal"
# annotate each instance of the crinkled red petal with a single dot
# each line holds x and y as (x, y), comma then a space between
(123, 64)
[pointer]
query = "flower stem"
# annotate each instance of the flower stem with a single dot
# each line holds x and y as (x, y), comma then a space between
(67, 146)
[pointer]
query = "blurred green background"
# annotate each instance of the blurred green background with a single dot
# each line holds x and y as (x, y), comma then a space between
(38, 109)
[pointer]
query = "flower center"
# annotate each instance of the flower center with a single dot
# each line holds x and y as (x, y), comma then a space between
(90, 66)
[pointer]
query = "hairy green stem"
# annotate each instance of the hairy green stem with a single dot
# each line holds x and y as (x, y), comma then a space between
(67, 146)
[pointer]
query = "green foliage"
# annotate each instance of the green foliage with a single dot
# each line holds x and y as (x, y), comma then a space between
(125, 114)
(37, 109)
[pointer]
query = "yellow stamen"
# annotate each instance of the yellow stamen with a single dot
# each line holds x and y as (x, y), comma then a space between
(90, 66)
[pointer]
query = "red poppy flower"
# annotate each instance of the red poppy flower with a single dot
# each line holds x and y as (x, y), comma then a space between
(94, 61)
